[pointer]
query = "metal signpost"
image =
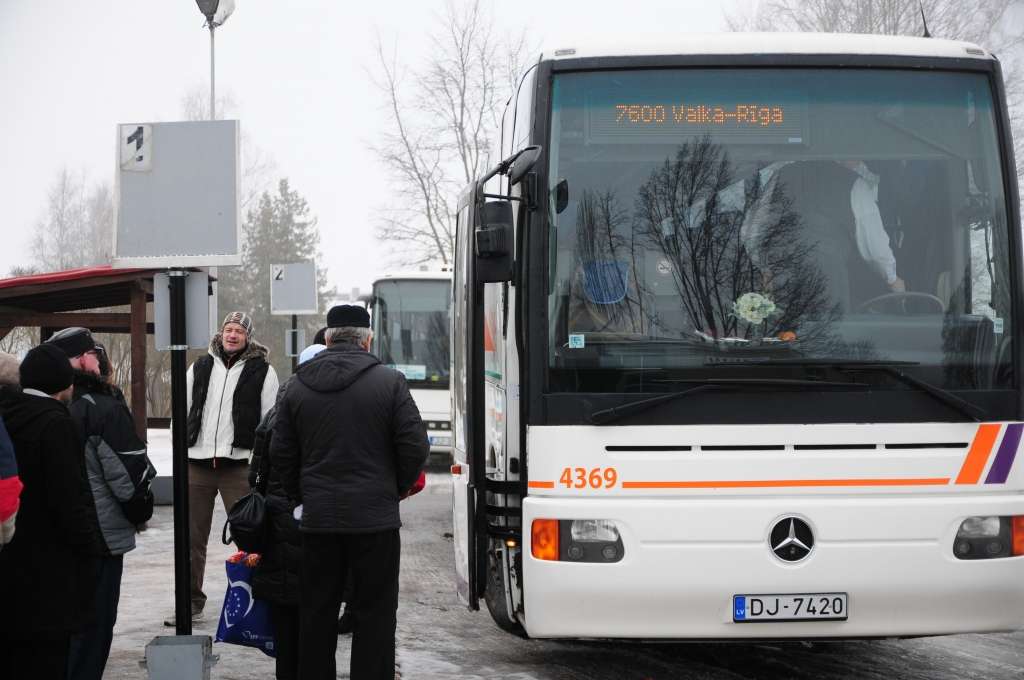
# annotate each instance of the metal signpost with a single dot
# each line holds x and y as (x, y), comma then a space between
(293, 291)
(177, 206)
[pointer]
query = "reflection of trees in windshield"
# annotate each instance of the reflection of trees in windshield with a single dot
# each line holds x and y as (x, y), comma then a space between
(604, 281)
(707, 256)
(712, 265)
(739, 262)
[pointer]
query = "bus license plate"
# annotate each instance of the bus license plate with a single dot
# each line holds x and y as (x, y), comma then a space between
(802, 607)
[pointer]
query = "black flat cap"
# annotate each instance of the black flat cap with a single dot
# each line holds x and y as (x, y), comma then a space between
(74, 341)
(348, 316)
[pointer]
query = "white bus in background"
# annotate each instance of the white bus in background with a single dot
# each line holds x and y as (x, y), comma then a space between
(737, 330)
(410, 320)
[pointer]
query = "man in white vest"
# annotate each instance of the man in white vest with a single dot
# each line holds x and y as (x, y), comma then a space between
(229, 391)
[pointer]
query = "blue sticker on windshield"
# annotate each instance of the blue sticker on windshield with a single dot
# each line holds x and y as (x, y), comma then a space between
(576, 341)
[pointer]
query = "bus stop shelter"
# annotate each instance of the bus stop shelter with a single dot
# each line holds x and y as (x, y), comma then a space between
(57, 300)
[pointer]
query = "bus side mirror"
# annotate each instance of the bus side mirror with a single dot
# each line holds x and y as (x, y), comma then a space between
(561, 196)
(493, 242)
(523, 163)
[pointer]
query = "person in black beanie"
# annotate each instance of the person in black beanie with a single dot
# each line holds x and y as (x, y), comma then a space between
(46, 576)
(348, 443)
(120, 476)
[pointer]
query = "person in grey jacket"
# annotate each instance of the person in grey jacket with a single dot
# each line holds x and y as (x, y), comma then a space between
(120, 474)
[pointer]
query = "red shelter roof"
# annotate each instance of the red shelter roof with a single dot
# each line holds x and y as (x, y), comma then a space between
(101, 270)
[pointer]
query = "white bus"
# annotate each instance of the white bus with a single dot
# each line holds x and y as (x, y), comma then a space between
(410, 322)
(737, 345)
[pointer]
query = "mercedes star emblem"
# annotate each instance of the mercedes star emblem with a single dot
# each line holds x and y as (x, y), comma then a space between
(791, 539)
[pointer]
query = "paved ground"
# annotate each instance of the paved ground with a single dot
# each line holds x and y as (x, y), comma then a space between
(438, 638)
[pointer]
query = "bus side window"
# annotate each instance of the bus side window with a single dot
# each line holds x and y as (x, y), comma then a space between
(524, 112)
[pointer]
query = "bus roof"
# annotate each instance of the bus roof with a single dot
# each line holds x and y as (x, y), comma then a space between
(434, 275)
(777, 43)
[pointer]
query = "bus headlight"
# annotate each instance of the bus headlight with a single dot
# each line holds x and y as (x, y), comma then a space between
(593, 530)
(979, 527)
(988, 537)
(576, 540)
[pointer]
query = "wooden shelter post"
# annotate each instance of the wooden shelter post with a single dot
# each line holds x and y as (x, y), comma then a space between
(137, 329)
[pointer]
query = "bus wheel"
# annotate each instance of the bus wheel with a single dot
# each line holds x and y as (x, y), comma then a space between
(494, 596)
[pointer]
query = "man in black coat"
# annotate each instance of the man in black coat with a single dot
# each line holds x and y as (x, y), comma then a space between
(46, 573)
(120, 475)
(276, 579)
(348, 443)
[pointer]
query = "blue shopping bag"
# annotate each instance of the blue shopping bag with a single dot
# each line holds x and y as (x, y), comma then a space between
(244, 620)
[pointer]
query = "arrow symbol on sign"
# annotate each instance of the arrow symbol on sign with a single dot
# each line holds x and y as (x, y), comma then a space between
(137, 138)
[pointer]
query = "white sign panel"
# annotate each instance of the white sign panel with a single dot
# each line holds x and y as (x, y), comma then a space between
(294, 341)
(177, 195)
(136, 148)
(197, 310)
(293, 288)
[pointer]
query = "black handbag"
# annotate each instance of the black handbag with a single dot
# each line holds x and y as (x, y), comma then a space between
(247, 520)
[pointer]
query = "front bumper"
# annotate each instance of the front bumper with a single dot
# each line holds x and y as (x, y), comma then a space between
(684, 559)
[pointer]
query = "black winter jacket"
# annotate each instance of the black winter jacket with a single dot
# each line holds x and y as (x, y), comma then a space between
(47, 576)
(277, 577)
(348, 442)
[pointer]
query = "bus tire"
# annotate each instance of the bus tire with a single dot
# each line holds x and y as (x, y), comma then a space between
(494, 596)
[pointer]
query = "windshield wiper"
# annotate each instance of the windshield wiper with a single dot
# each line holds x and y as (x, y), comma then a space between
(608, 415)
(892, 368)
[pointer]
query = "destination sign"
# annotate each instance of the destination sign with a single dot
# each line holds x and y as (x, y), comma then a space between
(751, 114)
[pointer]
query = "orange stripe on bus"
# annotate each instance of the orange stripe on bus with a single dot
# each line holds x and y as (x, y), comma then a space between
(981, 447)
(541, 485)
(770, 483)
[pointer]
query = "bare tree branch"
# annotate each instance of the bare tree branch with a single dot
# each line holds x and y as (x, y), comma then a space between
(443, 143)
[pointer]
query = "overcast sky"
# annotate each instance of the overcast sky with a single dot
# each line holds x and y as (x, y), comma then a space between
(297, 70)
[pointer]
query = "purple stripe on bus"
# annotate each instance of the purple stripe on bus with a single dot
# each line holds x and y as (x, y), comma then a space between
(1000, 469)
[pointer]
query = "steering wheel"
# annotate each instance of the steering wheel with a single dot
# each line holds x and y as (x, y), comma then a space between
(875, 304)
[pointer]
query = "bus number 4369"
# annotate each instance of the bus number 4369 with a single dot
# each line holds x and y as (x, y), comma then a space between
(595, 478)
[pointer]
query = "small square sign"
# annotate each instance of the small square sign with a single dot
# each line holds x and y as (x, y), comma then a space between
(293, 288)
(136, 148)
(576, 341)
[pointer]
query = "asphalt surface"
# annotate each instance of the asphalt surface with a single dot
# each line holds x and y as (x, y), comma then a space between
(439, 638)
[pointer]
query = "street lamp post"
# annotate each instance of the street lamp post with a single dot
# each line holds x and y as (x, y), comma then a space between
(216, 13)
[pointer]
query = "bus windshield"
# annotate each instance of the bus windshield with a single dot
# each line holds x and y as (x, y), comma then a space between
(710, 221)
(410, 324)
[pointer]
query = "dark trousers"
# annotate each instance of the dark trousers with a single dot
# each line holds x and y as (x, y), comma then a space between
(372, 560)
(87, 656)
(285, 620)
(231, 481)
(33, 658)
